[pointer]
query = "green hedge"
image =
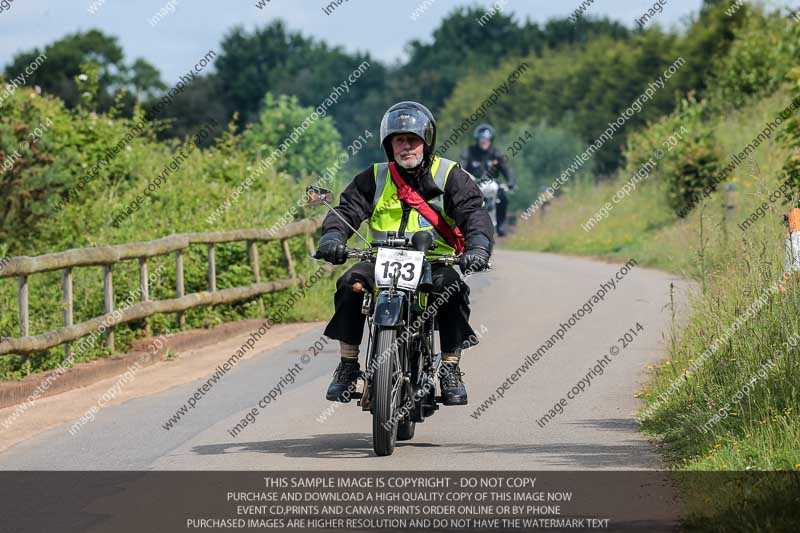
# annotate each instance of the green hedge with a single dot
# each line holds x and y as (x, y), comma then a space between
(38, 214)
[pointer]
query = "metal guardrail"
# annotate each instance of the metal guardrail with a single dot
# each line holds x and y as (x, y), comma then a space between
(107, 256)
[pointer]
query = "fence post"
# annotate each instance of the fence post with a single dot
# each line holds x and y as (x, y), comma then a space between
(179, 286)
(22, 298)
(312, 249)
(144, 289)
(108, 302)
(212, 268)
(68, 306)
(252, 253)
(289, 261)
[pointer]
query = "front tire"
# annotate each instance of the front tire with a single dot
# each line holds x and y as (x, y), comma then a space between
(387, 386)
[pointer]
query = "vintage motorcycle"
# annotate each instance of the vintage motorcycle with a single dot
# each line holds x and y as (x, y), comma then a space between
(399, 386)
(490, 188)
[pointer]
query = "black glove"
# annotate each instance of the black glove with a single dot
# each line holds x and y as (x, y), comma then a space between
(332, 248)
(475, 259)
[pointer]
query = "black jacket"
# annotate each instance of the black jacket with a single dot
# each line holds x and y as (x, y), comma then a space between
(476, 162)
(462, 201)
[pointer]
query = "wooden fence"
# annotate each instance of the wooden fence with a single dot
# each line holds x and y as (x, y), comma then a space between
(107, 256)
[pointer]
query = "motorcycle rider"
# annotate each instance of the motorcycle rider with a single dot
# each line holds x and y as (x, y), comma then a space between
(484, 161)
(408, 137)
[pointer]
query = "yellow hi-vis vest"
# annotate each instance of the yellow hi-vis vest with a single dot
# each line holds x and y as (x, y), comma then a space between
(387, 208)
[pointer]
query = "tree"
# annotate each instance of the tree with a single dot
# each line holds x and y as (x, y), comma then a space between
(145, 80)
(708, 38)
(200, 103)
(563, 31)
(460, 45)
(272, 59)
(766, 47)
(56, 75)
(579, 88)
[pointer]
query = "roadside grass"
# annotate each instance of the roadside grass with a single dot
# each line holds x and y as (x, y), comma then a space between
(751, 375)
(558, 228)
(642, 226)
(755, 502)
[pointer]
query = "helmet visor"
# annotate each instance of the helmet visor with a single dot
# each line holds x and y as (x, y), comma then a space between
(485, 133)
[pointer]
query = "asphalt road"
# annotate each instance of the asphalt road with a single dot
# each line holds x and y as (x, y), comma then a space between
(518, 306)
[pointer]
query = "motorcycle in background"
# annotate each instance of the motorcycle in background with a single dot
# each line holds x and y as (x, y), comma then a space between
(490, 188)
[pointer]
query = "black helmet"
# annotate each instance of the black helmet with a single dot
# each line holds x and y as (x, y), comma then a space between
(408, 117)
(484, 131)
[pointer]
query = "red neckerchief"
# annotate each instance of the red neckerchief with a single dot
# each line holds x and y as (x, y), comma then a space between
(412, 198)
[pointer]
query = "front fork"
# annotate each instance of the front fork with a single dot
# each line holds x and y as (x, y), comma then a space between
(366, 309)
(385, 310)
(389, 310)
(425, 363)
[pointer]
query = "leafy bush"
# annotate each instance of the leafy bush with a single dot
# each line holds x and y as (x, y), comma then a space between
(49, 150)
(790, 137)
(283, 120)
(690, 160)
(765, 48)
(202, 182)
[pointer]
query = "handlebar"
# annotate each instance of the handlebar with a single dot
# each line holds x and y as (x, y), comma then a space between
(368, 255)
(371, 254)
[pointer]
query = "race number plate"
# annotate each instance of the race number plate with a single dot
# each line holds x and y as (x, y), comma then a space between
(405, 264)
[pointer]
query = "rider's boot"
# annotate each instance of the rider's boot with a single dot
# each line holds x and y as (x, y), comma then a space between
(453, 390)
(344, 381)
(347, 373)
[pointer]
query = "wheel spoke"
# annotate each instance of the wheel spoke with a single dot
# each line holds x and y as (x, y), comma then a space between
(397, 386)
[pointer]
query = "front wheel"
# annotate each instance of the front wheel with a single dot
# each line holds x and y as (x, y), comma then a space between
(387, 386)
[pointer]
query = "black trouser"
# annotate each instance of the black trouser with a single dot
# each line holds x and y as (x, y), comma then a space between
(455, 333)
(502, 207)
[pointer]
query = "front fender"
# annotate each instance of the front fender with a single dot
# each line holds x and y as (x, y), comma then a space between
(389, 308)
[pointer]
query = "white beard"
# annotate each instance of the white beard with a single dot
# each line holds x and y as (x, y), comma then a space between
(410, 164)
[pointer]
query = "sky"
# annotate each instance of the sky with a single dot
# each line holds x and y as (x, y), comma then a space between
(178, 40)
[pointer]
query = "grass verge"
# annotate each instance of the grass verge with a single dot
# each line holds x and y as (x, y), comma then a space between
(728, 395)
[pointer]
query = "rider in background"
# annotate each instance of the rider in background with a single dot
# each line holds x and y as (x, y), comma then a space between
(408, 137)
(484, 161)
